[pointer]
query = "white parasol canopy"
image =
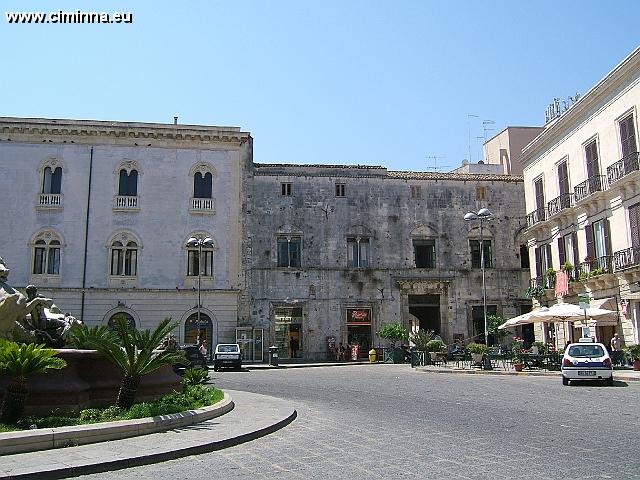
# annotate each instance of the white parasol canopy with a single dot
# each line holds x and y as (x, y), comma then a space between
(560, 312)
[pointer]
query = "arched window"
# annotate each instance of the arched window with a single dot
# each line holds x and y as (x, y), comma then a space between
(202, 185)
(194, 265)
(46, 258)
(52, 180)
(124, 258)
(128, 183)
(113, 320)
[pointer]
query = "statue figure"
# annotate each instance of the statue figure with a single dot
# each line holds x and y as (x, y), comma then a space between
(31, 318)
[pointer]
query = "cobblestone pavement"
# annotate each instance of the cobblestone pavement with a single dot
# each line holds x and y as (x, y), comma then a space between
(387, 421)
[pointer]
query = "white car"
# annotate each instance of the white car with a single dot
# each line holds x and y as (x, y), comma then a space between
(586, 360)
(227, 355)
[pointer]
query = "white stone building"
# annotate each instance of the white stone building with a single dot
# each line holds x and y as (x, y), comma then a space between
(98, 214)
(582, 187)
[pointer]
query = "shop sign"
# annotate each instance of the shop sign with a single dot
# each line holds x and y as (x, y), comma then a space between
(358, 316)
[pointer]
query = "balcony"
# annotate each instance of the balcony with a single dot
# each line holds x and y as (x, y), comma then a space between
(49, 200)
(125, 203)
(560, 203)
(591, 185)
(595, 267)
(537, 216)
(623, 167)
(627, 258)
(205, 206)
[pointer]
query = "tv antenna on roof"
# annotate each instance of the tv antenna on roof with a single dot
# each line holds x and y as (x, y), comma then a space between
(435, 158)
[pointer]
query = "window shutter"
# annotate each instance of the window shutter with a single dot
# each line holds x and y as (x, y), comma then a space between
(561, 253)
(634, 225)
(538, 262)
(549, 257)
(607, 237)
(590, 246)
(576, 258)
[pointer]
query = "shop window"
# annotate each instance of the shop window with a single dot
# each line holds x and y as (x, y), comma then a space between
(288, 332)
(424, 252)
(358, 252)
(289, 251)
(477, 321)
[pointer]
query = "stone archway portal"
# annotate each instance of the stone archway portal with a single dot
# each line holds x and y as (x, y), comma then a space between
(426, 308)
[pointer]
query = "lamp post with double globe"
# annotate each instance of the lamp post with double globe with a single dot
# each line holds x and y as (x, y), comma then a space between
(198, 243)
(482, 215)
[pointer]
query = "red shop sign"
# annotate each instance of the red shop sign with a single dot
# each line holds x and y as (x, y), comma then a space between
(359, 316)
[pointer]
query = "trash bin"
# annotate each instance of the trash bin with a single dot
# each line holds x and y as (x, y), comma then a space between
(372, 355)
(273, 356)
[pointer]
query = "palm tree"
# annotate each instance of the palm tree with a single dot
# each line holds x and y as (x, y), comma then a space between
(18, 362)
(135, 354)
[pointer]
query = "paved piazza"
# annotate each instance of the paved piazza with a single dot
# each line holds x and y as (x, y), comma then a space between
(387, 421)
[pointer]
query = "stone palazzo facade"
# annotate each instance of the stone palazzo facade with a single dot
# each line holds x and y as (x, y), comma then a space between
(335, 252)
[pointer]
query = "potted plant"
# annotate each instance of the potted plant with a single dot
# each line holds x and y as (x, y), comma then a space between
(550, 275)
(394, 332)
(517, 348)
(634, 352)
(535, 292)
(433, 347)
(477, 351)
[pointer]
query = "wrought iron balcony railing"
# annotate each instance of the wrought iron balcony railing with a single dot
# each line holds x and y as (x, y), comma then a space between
(623, 167)
(560, 203)
(597, 266)
(627, 258)
(597, 183)
(538, 215)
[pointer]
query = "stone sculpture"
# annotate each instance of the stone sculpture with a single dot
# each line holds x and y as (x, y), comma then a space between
(30, 318)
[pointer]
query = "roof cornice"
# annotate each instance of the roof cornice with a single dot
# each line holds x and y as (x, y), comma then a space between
(95, 131)
(630, 65)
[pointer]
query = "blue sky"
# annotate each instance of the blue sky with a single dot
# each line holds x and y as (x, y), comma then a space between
(350, 82)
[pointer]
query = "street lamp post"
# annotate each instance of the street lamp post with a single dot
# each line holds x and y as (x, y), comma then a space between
(194, 242)
(482, 215)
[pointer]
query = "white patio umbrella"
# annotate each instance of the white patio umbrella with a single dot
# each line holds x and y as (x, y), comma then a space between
(560, 312)
(515, 321)
(568, 312)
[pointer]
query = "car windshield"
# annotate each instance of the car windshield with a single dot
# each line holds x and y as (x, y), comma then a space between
(586, 351)
(227, 348)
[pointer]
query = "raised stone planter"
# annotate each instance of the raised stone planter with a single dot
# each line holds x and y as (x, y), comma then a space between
(89, 380)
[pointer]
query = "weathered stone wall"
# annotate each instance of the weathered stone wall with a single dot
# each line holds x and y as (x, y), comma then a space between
(378, 204)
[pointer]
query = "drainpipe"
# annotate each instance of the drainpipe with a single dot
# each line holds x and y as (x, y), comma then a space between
(86, 238)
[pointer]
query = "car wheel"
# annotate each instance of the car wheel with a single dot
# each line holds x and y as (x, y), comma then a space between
(609, 382)
(565, 380)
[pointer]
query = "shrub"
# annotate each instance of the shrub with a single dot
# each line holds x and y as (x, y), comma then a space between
(542, 347)
(434, 346)
(477, 348)
(394, 332)
(421, 339)
(633, 351)
(194, 376)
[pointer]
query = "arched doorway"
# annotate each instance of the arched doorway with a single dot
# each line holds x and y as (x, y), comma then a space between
(195, 332)
(113, 319)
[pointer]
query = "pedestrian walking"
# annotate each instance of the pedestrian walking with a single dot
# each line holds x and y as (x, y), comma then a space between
(616, 349)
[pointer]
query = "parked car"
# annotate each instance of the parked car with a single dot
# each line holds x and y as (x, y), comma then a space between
(586, 360)
(195, 359)
(227, 355)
